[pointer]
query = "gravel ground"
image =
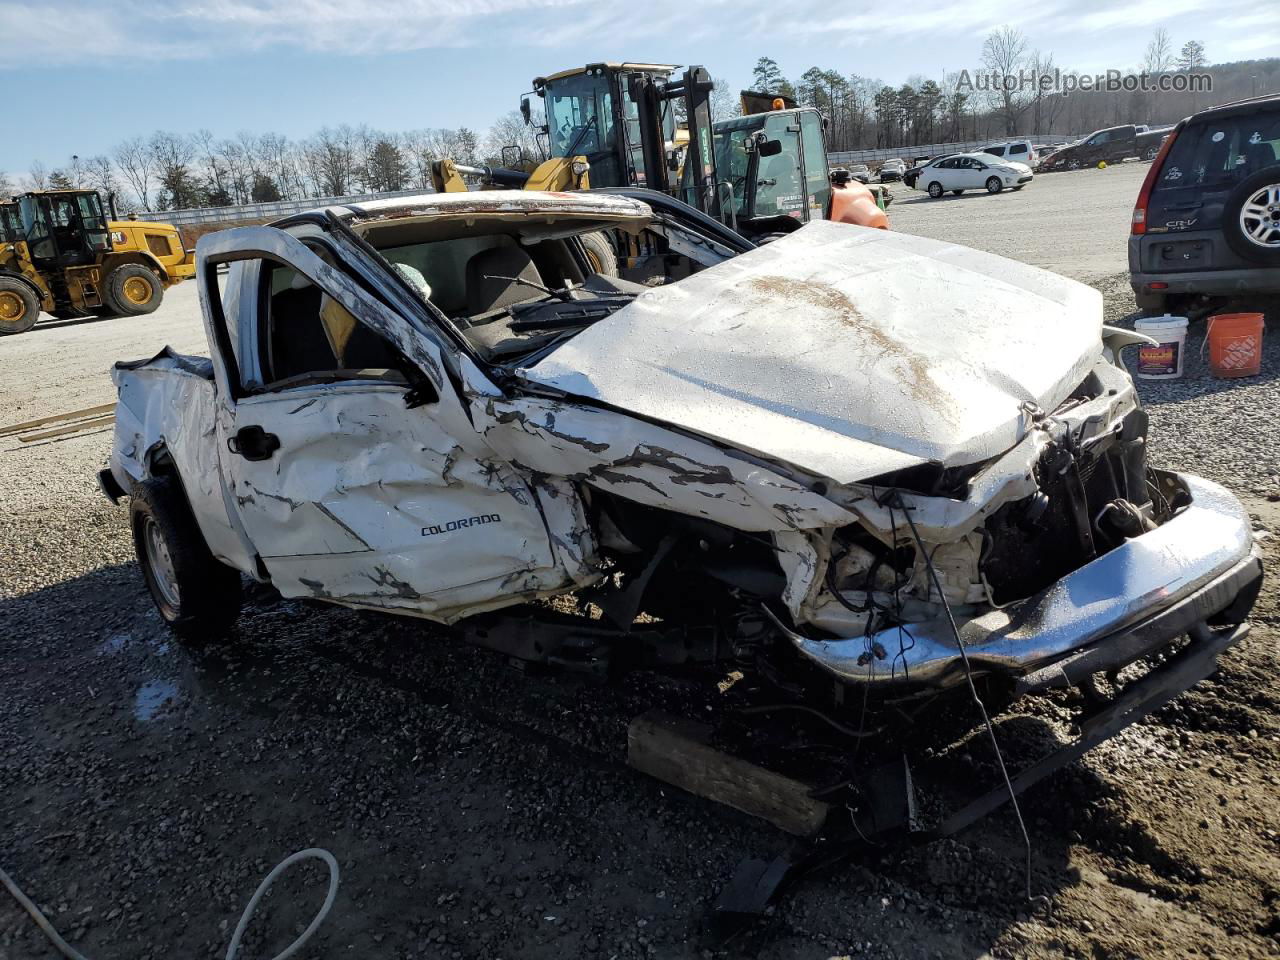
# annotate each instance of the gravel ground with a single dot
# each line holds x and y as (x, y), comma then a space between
(145, 787)
(1075, 222)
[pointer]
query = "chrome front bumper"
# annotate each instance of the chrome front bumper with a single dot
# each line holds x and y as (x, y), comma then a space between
(1119, 606)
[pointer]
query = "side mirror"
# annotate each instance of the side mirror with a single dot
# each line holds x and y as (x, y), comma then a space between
(526, 111)
(769, 148)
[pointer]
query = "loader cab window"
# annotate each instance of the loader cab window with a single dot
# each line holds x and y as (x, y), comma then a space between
(68, 228)
(10, 223)
(580, 120)
(306, 336)
(93, 221)
(732, 157)
(817, 174)
(39, 234)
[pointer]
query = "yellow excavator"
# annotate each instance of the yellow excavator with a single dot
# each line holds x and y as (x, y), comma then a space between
(59, 253)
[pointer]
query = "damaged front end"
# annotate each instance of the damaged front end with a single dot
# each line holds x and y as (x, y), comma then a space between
(1052, 558)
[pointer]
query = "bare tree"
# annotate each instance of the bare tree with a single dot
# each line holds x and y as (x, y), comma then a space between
(37, 176)
(239, 170)
(331, 157)
(1046, 105)
(172, 154)
(214, 173)
(725, 103)
(279, 161)
(1159, 55)
(137, 166)
(509, 130)
(100, 175)
(1004, 53)
(7, 187)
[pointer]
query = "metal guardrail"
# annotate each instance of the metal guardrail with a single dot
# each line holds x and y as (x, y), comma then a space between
(266, 211)
(874, 154)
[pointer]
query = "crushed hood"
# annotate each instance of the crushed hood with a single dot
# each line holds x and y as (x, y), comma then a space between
(844, 350)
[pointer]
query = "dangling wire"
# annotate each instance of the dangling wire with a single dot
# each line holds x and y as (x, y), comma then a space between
(973, 692)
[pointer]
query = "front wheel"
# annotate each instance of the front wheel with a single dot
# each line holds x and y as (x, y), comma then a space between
(1073, 164)
(1151, 153)
(198, 596)
(133, 290)
(19, 306)
(994, 185)
(600, 254)
(935, 190)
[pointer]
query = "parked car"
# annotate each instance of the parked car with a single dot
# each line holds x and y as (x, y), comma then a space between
(1111, 145)
(860, 172)
(1023, 151)
(912, 173)
(892, 169)
(900, 475)
(1207, 219)
(973, 171)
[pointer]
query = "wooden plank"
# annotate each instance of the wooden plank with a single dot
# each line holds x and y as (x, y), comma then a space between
(87, 412)
(678, 752)
(69, 428)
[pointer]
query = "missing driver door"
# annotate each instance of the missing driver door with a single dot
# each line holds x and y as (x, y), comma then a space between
(346, 492)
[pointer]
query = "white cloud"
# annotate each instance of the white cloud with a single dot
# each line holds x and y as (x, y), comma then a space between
(183, 29)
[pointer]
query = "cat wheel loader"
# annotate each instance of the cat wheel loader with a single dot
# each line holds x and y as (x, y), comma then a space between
(59, 253)
(761, 174)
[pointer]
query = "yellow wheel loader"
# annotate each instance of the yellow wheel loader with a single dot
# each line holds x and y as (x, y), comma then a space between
(59, 253)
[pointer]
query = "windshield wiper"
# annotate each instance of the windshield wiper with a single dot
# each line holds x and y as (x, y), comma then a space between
(581, 318)
(563, 293)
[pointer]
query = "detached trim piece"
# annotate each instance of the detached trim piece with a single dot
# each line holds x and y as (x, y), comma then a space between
(109, 486)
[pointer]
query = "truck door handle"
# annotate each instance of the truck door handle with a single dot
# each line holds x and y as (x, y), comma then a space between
(253, 443)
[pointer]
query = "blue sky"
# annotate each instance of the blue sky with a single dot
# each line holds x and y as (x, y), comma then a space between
(79, 77)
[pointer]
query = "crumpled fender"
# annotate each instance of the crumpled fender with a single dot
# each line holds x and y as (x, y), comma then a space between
(168, 403)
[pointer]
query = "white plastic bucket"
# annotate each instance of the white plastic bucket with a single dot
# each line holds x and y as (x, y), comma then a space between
(1164, 360)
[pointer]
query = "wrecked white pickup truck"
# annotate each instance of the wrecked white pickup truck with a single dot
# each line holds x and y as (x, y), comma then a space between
(848, 458)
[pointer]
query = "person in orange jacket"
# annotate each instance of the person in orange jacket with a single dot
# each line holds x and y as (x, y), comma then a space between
(852, 202)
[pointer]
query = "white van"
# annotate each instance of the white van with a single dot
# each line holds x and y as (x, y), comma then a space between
(1019, 150)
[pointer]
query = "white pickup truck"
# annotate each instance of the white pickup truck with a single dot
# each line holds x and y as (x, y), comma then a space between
(849, 453)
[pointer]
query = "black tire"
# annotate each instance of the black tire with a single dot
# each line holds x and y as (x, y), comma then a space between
(994, 185)
(935, 190)
(197, 596)
(1267, 252)
(956, 193)
(1151, 152)
(125, 291)
(19, 306)
(600, 254)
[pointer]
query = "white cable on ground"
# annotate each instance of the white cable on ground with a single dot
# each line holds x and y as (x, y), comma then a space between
(71, 953)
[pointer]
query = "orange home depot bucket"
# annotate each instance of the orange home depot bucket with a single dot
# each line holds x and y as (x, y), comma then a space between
(1235, 344)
